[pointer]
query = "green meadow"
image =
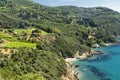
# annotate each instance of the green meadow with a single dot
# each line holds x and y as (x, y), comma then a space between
(20, 44)
(28, 31)
(7, 37)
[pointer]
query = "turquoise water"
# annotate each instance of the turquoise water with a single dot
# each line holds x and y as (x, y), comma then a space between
(118, 38)
(103, 67)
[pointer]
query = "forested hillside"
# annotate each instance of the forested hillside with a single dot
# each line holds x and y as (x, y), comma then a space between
(95, 17)
(35, 39)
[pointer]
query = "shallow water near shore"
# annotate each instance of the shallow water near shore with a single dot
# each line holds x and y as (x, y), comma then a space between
(103, 67)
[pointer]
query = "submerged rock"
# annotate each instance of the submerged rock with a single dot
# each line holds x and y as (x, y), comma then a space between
(97, 72)
(76, 66)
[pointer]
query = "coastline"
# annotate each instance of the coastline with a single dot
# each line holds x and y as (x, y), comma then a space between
(71, 74)
(110, 44)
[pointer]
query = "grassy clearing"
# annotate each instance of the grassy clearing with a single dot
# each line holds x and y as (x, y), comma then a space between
(20, 44)
(28, 31)
(10, 38)
(2, 35)
(7, 37)
(43, 32)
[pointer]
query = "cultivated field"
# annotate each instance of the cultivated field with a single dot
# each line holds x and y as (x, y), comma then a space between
(20, 44)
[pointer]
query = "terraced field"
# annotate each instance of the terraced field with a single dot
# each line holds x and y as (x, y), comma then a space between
(28, 31)
(12, 42)
(20, 44)
(7, 37)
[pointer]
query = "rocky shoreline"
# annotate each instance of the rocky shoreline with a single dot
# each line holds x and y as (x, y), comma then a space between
(88, 54)
(71, 74)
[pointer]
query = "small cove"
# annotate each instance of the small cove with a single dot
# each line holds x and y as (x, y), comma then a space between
(103, 67)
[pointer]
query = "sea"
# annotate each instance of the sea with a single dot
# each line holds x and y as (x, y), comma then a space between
(100, 67)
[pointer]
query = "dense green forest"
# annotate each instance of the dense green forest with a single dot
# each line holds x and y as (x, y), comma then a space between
(35, 39)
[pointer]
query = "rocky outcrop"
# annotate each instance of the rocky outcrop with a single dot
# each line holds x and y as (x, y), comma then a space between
(71, 74)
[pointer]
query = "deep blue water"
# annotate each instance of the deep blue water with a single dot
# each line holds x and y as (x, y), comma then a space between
(103, 67)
